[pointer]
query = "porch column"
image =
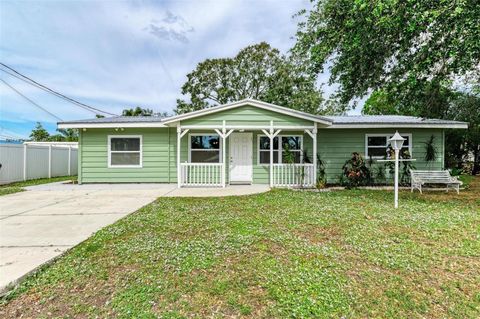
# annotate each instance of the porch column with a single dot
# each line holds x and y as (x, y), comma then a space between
(179, 169)
(271, 135)
(315, 153)
(180, 134)
(224, 134)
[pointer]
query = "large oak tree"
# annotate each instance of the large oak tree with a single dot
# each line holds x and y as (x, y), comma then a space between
(257, 71)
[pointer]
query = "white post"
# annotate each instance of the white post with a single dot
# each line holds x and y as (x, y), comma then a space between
(315, 154)
(224, 155)
(25, 162)
(69, 160)
(179, 170)
(271, 153)
(397, 153)
(49, 161)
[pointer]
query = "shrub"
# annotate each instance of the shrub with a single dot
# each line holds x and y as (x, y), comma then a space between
(356, 172)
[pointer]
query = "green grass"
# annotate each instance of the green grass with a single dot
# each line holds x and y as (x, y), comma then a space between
(282, 254)
(19, 186)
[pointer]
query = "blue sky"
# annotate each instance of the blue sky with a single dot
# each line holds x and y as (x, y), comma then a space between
(113, 54)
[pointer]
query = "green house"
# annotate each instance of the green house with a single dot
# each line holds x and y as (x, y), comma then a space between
(246, 142)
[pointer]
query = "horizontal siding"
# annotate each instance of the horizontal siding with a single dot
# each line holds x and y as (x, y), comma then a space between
(336, 146)
(156, 152)
(246, 115)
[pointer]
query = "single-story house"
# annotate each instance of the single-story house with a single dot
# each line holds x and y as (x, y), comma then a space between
(245, 142)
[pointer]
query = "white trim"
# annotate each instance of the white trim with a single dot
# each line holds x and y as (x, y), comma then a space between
(393, 126)
(109, 150)
(200, 150)
(110, 125)
(249, 127)
(252, 102)
(280, 148)
(387, 136)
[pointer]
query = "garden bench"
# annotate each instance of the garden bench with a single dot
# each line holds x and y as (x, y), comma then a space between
(419, 178)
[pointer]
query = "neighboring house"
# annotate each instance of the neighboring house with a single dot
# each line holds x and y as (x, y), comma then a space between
(232, 144)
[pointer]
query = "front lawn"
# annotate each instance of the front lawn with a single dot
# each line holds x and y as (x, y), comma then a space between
(18, 186)
(279, 254)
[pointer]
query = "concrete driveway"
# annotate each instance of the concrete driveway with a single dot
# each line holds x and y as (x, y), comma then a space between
(43, 222)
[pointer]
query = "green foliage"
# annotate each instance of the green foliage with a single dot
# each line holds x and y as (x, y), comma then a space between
(138, 111)
(430, 150)
(257, 71)
(356, 172)
(371, 45)
(39, 133)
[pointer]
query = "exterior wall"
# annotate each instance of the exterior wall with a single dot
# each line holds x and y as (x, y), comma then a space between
(160, 150)
(335, 146)
(247, 115)
(159, 157)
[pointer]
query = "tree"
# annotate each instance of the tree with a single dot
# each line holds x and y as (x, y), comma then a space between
(68, 135)
(393, 45)
(138, 111)
(39, 133)
(439, 102)
(257, 71)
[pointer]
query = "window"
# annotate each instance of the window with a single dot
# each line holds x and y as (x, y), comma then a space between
(125, 151)
(290, 149)
(204, 149)
(377, 145)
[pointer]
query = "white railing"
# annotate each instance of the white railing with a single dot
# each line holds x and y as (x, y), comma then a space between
(201, 174)
(293, 175)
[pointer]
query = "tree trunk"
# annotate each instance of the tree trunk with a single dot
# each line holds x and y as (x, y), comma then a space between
(476, 162)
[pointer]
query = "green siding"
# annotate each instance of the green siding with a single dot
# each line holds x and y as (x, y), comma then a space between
(160, 151)
(247, 115)
(159, 161)
(335, 146)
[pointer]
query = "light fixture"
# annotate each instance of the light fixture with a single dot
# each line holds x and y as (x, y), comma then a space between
(84, 129)
(396, 141)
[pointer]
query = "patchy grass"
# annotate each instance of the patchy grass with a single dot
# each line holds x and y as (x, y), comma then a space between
(18, 186)
(275, 255)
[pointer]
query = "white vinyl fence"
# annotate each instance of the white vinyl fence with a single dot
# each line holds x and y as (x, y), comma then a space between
(23, 162)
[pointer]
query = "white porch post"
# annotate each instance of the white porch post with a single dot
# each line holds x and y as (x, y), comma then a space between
(224, 134)
(271, 135)
(315, 153)
(179, 169)
(271, 153)
(224, 154)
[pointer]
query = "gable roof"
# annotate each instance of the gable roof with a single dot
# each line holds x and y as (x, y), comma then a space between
(252, 102)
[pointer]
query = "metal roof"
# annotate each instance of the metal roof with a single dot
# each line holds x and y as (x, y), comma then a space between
(386, 119)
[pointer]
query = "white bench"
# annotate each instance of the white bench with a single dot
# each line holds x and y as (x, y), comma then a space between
(419, 178)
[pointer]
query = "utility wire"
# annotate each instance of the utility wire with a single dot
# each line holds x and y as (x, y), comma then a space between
(29, 100)
(26, 79)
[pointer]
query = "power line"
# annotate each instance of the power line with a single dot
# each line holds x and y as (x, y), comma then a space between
(30, 81)
(29, 100)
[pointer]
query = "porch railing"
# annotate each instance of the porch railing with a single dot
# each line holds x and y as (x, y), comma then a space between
(293, 175)
(201, 174)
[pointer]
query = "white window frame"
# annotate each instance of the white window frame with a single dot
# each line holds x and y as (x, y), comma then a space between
(140, 165)
(204, 134)
(280, 148)
(388, 136)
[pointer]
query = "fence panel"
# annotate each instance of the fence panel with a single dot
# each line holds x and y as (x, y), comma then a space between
(14, 166)
(11, 159)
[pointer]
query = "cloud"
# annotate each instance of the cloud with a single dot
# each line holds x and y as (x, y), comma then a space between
(172, 28)
(114, 55)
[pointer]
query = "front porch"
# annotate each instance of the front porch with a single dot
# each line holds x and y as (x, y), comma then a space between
(275, 155)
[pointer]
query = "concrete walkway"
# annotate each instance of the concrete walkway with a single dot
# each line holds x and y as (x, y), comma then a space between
(45, 221)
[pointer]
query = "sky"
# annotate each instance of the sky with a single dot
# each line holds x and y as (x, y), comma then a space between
(117, 54)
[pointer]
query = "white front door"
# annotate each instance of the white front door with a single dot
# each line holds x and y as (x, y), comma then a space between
(241, 157)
